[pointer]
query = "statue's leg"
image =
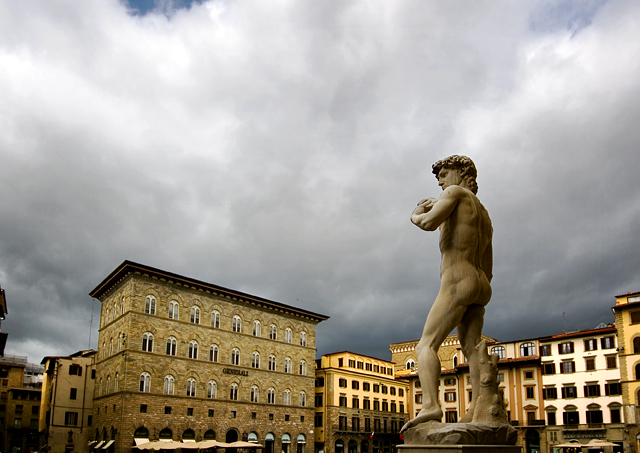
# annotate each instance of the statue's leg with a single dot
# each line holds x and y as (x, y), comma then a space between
(443, 317)
(470, 335)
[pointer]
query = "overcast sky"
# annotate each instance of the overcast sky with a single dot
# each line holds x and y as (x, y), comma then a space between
(279, 148)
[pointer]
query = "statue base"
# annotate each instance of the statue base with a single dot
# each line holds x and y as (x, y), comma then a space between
(461, 434)
(459, 449)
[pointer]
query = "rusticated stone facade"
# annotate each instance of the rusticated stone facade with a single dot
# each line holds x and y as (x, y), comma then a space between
(185, 359)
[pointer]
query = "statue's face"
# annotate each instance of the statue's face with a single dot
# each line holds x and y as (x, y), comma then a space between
(449, 177)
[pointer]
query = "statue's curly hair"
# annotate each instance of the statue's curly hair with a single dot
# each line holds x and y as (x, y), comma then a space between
(466, 166)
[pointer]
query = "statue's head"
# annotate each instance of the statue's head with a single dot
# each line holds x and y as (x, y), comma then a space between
(463, 164)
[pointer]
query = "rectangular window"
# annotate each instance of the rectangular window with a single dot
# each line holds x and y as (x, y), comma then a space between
(418, 398)
(607, 342)
(352, 363)
(612, 362)
(451, 417)
(71, 418)
(530, 391)
(342, 423)
(233, 414)
(367, 424)
(591, 344)
(355, 423)
(211, 412)
(143, 408)
(342, 383)
(594, 418)
(17, 423)
(376, 404)
(385, 406)
(449, 381)
(355, 402)
(89, 420)
(376, 388)
(565, 348)
(531, 416)
(343, 400)
(615, 415)
(366, 386)
(355, 385)
(449, 396)
(635, 317)
(287, 417)
(340, 362)
(528, 374)
(590, 363)
(569, 392)
(551, 418)
(73, 394)
(612, 388)
(254, 415)
(189, 411)
(318, 399)
(384, 389)
(319, 382)
(591, 389)
(548, 368)
(545, 350)
(366, 404)
(392, 391)
(571, 418)
(550, 393)
(567, 367)
(167, 409)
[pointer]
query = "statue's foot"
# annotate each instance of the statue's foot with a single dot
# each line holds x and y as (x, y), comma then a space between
(425, 415)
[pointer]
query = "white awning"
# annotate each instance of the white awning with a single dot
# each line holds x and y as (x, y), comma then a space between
(107, 445)
(188, 440)
(140, 440)
(90, 443)
(99, 443)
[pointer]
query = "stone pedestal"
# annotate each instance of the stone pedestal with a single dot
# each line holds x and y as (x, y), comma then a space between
(459, 449)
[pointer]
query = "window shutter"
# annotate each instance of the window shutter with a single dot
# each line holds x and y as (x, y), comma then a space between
(563, 393)
(586, 390)
(571, 346)
(562, 371)
(559, 348)
(606, 389)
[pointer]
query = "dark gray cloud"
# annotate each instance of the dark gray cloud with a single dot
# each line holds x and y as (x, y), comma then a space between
(280, 149)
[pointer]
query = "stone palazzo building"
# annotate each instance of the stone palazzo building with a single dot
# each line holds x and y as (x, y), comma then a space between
(187, 360)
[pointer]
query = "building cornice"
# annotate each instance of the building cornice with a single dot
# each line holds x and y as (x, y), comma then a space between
(129, 269)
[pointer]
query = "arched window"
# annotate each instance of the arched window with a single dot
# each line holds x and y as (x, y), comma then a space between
(287, 365)
(168, 385)
(236, 324)
(272, 362)
(256, 328)
(500, 351)
(303, 399)
(213, 353)
(209, 435)
(174, 310)
(120, 341)
(172, 344)
(303, 368)
(145, 382)
(111, 346)
(254, 394)
(271, 395)
(122, 306)
(193, 349)
(638, 371)
(455, 360)
(115, 383)
(287, 335)
(287, 397)
(303, 338)
(527, 349)
(252, 437)
(235, 356)
(108, 385)
(191, 387)
(106, 318)
(255, 360)
(165, 433)
(147, 342)
(215, 319)
(194, 317)
(100, 388)
(150, 305)
(233, 394)
(115, 309)
(212, 389)
(273, 332)
(636, 345)
(411, 364)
